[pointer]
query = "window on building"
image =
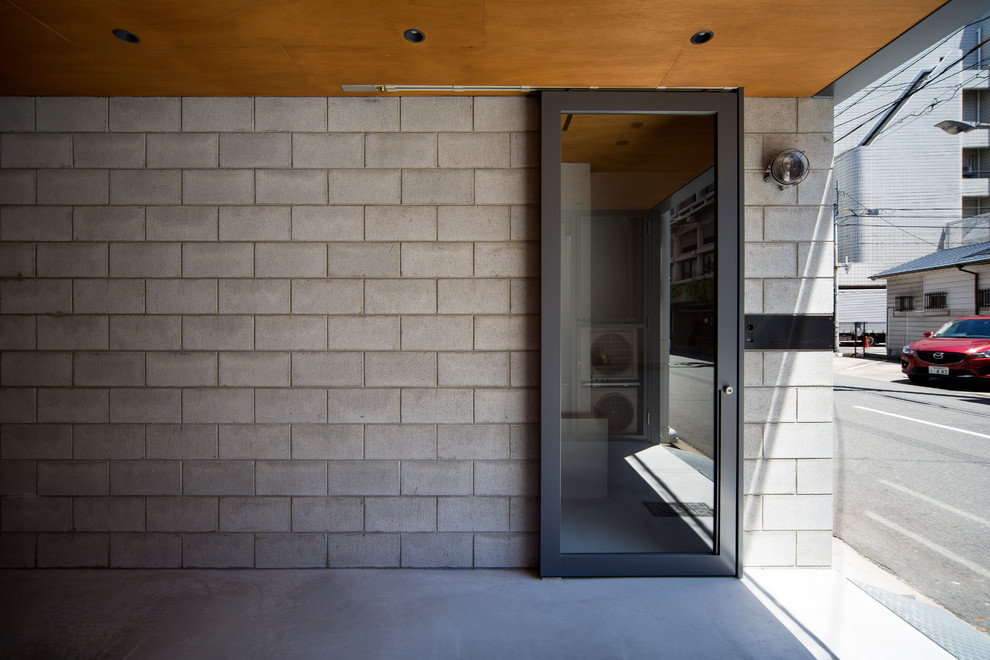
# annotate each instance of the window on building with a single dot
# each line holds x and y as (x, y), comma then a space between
(983, 299)
(904, 303)
(687, 269)
(936, 300)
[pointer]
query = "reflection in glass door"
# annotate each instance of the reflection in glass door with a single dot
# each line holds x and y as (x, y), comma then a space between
(640, 334)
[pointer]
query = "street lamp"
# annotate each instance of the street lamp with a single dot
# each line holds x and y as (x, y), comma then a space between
(953, 127)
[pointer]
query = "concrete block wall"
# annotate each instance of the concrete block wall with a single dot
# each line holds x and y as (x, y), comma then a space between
(269, 332)
(788, 437)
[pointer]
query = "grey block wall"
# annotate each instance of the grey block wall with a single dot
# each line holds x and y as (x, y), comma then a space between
(303, 332)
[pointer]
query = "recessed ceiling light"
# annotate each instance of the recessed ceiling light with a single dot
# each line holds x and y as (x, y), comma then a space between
(129, 37)
(414, 36)
(702, 37)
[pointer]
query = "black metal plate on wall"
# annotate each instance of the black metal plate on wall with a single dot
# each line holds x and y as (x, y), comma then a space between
(790, 332)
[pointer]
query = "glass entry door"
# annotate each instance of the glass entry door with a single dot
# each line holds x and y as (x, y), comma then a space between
(641, 317)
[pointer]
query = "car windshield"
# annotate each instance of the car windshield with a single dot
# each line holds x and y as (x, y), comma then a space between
(971, 328)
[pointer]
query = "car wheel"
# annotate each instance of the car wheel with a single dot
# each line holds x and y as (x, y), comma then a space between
(918, 379)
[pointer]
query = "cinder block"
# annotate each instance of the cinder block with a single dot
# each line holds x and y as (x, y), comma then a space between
(794, 368)
(73, 550)
(771, 260)
(181, 296)
(65, 405)
(182, 150)
(363, 478)
(290, 260)
(753, 296)
(814, 404)
(290, 405)
(524, 150)
(364, 186)
(816, 259)
(290, 550)
(437, 406)
(182, 514)
(20, 369)
(814, 548)
(249, 369)
(363, 406)
(145, 186)
(36, 514)
(145, 477)
(524, 296)
(473, 223)
(447, 550)
(400, 441)
(217, 550)
(20, 550)
(17, 113)
(506, 478)
(108, 441)
(506, 259)
(290, 114)
(327, 514)
(254, 514)
(254, 296)
(437, 333)
(473, 296)
(395, 150)
(363, 550)
(438, 186)
(524, 441)
(36, 150)
(145, 260)
(107, 150)
(473, 150)
(217, 186)
(473, 514)
(406, 296)
(521, 550)
(19, 187)
(507, 186)
(437, 260)
(145, 550)
(770, 115)
(474, 369)
(814, 477)
(524, 369)
(473, 441)
(363, 260)
(35, 296)
(250, 150)
(72, 478)
(217, 114)
(152, 406)
(762, 477)
(525, 222)
(254, 223)
(108, 223)
(507, 405)
(362, 114)
(182, 223)
(400, 223)
(254, 441)
(327, 223)
(328, 150)
(436, 477)
(797, 440)
(107, 369)
(17, 260)
(327, 369)
(217, 260)
(363, 333)
(145, 333)
(518, 332)
(18, 478)
(72, 187)
(34, 223)
(34, 441)
(770, 548)
(291, 332)
(72, 260)
(506, 113)
(524, 514)
(291, 186)
(758, 193)
(17, 333)
(797, 512)
(291, 477)
(18, 404)
(182, 441)
(438, 113)
(223, 406)
(108, 514)
(217, 333)
(174, 369)
(70, 113)
(752, 512)
(770, 404)
(815, 115)
(327, 296)
(400, 369)
(145, 114)
(211, 478)
(327, 441)
(400, 514)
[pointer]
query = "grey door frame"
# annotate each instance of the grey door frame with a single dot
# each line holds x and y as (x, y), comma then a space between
(726, 560)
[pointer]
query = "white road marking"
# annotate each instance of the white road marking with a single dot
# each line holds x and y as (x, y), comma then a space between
(921, 421)
(860, 366)
(941, 505)
(945, 552)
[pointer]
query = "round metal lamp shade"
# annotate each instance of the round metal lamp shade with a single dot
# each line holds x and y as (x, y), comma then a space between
(788, 168)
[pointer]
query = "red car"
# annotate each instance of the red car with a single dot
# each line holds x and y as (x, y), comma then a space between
(960, 348)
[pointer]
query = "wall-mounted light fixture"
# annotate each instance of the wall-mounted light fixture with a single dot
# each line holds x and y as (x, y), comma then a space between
(788, 168)
(953, 127)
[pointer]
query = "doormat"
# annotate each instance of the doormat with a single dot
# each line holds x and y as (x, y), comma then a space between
(679, 509)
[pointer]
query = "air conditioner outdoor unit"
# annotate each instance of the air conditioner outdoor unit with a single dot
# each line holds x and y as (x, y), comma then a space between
(612, 355)
(618, 407)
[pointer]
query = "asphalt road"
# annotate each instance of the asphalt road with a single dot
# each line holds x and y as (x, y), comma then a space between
(912, 481)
